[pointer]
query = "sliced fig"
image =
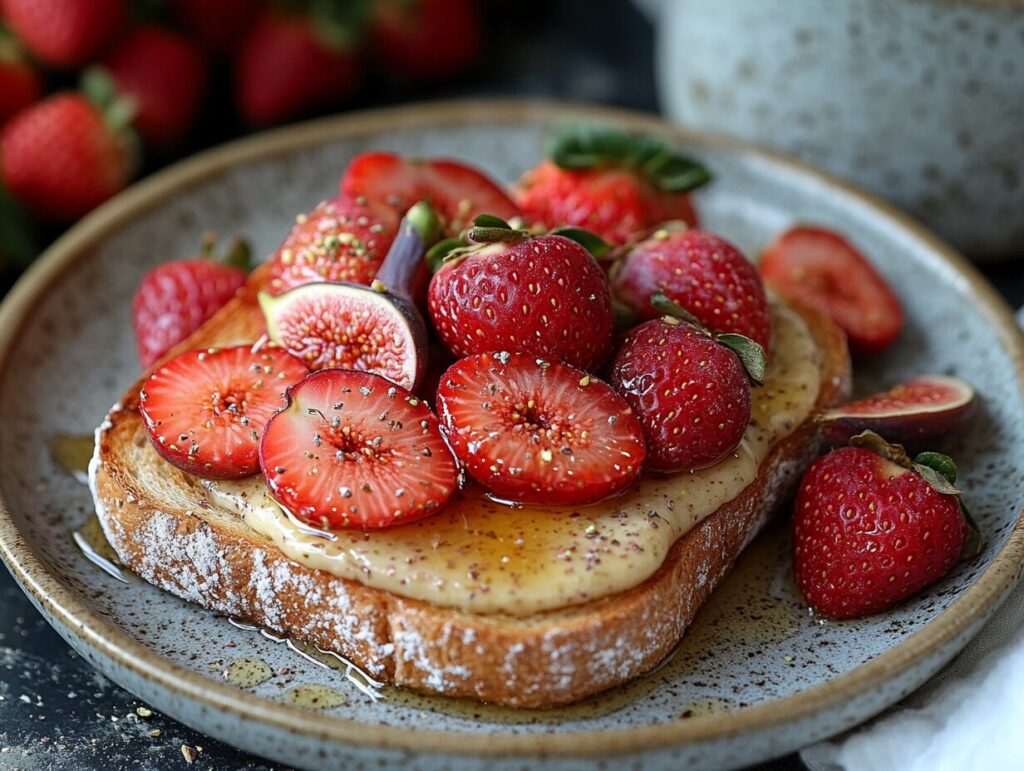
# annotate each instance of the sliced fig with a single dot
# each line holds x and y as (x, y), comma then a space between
(378, 329)
(916, 413)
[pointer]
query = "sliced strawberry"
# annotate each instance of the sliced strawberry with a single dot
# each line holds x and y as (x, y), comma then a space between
(339, 240)
(205, 411)
(539, 432)
(821, 268)
(353, 450)
(457, 192)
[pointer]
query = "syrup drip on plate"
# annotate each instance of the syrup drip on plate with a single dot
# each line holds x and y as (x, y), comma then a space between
(324, 659)
(72, 452)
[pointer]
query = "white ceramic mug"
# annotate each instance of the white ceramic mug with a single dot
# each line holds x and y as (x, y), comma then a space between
(920, 101)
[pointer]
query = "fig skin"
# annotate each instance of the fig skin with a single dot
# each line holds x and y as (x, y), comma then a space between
(402, 276)
(919, 414)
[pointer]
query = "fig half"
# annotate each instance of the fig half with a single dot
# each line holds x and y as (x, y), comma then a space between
(916, 413)
(379, 329)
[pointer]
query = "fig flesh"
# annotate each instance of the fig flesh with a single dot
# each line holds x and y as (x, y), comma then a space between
(378, 329)
(916, 414)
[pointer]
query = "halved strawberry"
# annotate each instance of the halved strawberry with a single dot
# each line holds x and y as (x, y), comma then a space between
(539, 432)
(205, 411)
(457, 192)
(820, 267)
(353, 450)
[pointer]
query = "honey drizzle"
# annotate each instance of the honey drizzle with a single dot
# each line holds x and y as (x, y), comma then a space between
(756, 605)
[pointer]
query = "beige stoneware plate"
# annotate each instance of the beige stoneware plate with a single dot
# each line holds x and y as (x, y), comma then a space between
(757, 677)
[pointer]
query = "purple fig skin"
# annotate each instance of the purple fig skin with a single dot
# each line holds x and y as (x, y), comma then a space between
(919, 414)
(402, 276)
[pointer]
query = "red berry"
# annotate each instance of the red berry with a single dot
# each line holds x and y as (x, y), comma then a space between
(61, 159)
(284, 69)
(20, 84)
(165, 76)
(389, 184)
(544, 295)
(65, 33)
(216, 26)
(338, 241)
(174, 299)
(353, 450)
(821, 268)
(539, 432)
(690, 393)
(616, 203)
(703, 273)
(406, 35)
(205, 411)
(868, 533)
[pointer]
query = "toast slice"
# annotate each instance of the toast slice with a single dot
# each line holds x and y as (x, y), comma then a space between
(149, 512)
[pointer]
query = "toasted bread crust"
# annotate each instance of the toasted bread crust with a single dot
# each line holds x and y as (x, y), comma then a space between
(151, 515)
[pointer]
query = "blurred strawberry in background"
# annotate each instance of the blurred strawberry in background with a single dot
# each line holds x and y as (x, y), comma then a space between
(65, 33)
(20, 83)
(424, 40)
(164, 75)
(66, 155)
(93, 92)
(216, 25)
(291, 62)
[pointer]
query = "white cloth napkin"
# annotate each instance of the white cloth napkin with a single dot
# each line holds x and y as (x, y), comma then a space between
(971, 715)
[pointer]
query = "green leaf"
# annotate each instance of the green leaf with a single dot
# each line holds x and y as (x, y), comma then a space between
(490, 221)
(16, 242)
(941, 463)
(936, 479)
(974, 542)
(440, 251)
(666, 307)
(583, 146)
(750, 353)
(869, 440)
(239, 254)
(679, 175)
(590, 241)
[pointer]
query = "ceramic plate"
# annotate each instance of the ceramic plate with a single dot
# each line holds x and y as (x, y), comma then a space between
(756, 677)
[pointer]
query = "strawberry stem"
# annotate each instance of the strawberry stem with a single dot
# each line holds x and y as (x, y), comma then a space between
(402, 266)
(592, 242)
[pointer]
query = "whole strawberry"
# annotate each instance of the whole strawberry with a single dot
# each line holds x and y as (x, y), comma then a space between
(165, 77)
(20, 84)
(174, 299)
(405, 37)
(289, 64)
(339, 240)
(871, 527)
(612, 183)
(703, 273)
(64, 156)
(65, 33)
(544, 295)
(689, 389)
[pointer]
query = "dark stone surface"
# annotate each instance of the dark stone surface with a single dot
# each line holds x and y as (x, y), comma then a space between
(56, 712)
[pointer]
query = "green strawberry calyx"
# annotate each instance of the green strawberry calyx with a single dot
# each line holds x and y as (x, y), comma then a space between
(938, 470)
(238, 253)
(751, 353)
(584, 146)
(488, 230)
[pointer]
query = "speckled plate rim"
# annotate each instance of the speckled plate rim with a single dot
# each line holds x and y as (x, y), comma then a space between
(50, 593)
